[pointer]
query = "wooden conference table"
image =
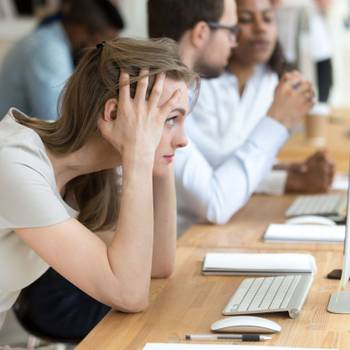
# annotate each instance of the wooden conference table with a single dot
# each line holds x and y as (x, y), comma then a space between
(189, 302)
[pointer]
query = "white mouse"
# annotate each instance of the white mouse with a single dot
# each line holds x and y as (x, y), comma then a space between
(245, 324)
(310, 220)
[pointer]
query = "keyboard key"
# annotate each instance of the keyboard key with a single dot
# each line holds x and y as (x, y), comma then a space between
(250, 294)
(272, 291)
(256, 303)
(281, 293)
(239, 295)
(290, 291)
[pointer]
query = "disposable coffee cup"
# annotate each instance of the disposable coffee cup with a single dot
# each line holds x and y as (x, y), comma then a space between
(316, 124)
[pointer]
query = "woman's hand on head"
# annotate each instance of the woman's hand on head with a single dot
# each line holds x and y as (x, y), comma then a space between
(133, 126)
(294, 97)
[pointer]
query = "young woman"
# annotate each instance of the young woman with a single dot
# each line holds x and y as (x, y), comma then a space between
(240, 122)
(257, 64)
(123, 107)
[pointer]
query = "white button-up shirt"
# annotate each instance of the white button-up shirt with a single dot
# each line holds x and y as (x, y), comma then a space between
(232, 147)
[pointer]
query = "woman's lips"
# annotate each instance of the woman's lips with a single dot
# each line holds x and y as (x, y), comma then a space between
(169, 158)
(260, 44)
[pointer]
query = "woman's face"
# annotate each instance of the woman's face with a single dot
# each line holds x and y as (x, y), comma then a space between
(258, 36)
(173, 135)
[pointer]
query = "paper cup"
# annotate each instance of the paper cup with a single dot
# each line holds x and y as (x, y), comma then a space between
(316, 124)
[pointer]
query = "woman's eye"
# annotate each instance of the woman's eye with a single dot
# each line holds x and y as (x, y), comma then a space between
(268, 19)
(170, 121)
(244, 20)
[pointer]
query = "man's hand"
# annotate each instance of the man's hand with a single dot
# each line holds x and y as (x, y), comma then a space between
(315, 175)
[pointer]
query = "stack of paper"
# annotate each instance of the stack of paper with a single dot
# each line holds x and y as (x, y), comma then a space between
(257, 263)
(159, 346)
(305, 233)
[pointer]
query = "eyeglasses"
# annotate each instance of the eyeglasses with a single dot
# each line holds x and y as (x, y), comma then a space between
(233, 30)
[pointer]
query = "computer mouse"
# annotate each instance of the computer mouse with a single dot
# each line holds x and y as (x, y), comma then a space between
(310, 220)
(245, 324)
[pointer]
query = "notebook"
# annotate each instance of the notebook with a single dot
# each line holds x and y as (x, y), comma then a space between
(304, 233)
(257, 263)
(167, 346)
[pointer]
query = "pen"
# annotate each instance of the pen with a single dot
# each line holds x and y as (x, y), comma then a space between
(242, 337)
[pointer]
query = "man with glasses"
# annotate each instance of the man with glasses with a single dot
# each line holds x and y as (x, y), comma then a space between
(206, 31)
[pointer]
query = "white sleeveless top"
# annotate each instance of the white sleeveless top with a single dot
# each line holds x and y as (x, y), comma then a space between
(28, 198)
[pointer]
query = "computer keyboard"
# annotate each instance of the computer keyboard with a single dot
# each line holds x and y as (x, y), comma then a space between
(332, 205)
(270, 294)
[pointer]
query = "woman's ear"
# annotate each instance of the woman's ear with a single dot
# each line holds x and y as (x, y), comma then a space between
(110, 110)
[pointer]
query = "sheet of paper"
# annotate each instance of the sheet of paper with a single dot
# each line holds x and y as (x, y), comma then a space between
(304, 233)
(159, 346)
(259, 262)
(340, 182)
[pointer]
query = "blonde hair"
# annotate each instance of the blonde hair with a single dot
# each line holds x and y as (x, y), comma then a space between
(95, 81)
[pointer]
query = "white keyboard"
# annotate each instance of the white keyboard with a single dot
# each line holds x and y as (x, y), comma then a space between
(270, 294)
(324, 205)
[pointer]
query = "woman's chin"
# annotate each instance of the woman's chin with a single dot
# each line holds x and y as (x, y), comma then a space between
(160, 170)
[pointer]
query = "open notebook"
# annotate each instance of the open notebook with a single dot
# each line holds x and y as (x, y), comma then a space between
(257, 263)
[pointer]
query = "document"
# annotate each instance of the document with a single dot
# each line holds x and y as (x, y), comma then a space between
(257, 263)
(305, 233)
(159, 346)
(340, 182)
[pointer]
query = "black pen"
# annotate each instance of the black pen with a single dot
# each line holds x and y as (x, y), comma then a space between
(242, 337)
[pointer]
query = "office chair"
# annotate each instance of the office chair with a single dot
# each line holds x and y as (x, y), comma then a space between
(22, 312)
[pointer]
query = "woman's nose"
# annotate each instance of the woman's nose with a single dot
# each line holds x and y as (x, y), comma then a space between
(180, 140)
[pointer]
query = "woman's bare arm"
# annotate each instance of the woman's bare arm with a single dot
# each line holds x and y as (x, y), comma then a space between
(164, 246)
(119, 274)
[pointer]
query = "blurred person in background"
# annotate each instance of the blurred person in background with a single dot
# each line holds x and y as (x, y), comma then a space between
(34, 71)
(296, 18)
(206, 31)
(238, 125)
(321, 48)
(36, 7)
